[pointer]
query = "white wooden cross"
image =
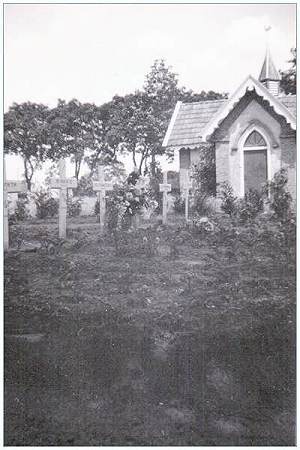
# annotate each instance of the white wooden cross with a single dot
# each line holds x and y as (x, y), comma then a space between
(186, 191)
(165, 187)
(101, 186)
(63, 184)
(10, 187)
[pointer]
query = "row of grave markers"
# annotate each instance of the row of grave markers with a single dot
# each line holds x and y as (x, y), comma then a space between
(63, 184)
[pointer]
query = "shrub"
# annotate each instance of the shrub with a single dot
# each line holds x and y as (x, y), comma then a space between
(250, 206)
(154, 191)
(199, 202)
(204, 178)
(124, 202)
(46, 205)
(179, 204)
(228, 199)
(204, 172)
(74, 207)
(203, 207)
(112, 214)
(280, 198)
(84, 187)
(20, 213)
(202, 224)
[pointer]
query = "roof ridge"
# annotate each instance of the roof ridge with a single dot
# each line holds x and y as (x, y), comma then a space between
(205, 101)
(250, 84)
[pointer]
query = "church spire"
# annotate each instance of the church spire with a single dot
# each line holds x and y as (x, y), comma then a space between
(269, 75)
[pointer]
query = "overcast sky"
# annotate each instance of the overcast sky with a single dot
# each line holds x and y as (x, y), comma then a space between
(92, 52)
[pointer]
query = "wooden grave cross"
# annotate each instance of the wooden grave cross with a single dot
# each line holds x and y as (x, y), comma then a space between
(101, 186)
(186, 191)
(138, 187)
(63, 184)
(10, 187)
(165, 187)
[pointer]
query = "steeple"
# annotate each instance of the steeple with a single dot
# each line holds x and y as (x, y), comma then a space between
(269, 75)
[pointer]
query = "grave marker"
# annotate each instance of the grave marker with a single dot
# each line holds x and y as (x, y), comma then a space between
(186, 191)
(63, 184)
(101, 186)
(165, 187)
(10, 187)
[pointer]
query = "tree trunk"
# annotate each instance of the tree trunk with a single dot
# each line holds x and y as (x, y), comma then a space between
(28, 172)
(144, 157)
(153, 165)
(77, 168)
(133, 159)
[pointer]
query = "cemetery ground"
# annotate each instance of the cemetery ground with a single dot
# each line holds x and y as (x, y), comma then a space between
(164, 336)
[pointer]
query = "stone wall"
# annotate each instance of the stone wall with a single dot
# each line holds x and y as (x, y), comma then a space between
(222, 162)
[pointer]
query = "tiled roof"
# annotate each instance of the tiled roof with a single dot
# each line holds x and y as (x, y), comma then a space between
(192, 118)
(290, 102)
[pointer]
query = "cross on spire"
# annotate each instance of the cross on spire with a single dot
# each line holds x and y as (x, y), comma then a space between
(269, 75)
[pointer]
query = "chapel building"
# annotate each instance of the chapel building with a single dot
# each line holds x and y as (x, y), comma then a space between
(253, 133)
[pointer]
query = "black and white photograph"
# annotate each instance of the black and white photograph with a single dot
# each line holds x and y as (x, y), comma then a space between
(149, 224)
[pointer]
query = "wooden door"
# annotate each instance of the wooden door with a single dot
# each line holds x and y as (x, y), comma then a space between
(255, 169)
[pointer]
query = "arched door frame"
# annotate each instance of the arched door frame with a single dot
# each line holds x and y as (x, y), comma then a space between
(242, 148)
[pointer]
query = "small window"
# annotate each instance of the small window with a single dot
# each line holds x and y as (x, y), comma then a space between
(255, 139)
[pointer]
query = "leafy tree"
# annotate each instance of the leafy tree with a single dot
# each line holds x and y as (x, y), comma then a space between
(106, 149)
(288, 77)
(161, 86)
(74, 129)
(190, 96)
(25, 135)
(133, 129)
(162, 90)
(138, 121)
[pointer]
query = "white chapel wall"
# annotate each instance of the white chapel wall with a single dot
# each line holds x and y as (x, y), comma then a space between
(253, 113)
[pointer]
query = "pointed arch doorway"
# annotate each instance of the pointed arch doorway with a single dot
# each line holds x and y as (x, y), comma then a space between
(255, 161)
